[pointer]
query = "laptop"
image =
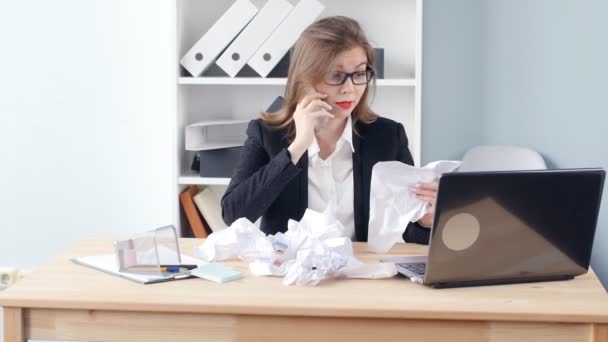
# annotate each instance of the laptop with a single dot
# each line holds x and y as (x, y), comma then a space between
(505, 227)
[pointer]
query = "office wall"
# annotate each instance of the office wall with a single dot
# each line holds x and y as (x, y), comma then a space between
(86, 101)
(87, 98)
(452, 72)
(545, 86)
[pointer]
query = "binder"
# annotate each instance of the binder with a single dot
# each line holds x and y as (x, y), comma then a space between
(275, 105)
(228, 26)
(208, 202)
(285, 35)
(196, 221)
(252, 37)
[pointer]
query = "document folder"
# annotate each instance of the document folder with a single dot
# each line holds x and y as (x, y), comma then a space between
(285, 36)
(206, 50)
(252, 36)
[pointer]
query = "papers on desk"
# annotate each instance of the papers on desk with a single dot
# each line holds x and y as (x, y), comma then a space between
(107, 263)
(311, 250)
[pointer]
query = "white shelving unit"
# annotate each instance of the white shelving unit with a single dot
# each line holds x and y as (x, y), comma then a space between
(395, 25)
(397, 82)
(191, 177)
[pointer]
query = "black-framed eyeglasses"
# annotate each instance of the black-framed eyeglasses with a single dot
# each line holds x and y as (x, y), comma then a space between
(338, 78)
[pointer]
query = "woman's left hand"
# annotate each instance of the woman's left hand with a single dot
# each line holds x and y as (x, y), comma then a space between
(427, 191)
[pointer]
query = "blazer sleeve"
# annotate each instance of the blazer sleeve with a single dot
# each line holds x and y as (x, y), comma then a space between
(414, 232)
(258, 179)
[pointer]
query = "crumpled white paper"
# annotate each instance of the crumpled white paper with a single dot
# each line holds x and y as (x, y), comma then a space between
(392, 203)
(311, 250)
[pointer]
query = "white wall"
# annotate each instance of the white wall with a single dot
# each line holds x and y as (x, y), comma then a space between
(87, 102)
(452, 70)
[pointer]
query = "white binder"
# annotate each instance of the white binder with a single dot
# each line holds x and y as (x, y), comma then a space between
(252, 37)
(283, 38)
(228, 26)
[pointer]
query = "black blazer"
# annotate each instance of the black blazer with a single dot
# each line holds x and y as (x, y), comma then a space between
(267, 184)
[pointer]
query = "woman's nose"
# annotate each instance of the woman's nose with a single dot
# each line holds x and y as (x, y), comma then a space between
(348, 86)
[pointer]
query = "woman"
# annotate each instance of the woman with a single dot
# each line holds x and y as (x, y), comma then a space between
(318, 150)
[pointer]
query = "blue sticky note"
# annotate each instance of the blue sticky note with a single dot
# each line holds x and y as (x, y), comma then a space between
(216, 272)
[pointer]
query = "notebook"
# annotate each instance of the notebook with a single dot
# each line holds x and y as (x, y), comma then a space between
(107, 263)
(216, 272)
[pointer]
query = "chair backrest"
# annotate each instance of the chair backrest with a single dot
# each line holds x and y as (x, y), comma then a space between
(501, 157)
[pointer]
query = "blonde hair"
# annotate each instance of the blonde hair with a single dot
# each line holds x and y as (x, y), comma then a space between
(311, 59)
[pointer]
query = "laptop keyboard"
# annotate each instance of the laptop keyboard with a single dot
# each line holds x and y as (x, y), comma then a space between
(416, 267)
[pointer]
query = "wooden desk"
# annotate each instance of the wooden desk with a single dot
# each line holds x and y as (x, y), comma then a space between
(66, 301)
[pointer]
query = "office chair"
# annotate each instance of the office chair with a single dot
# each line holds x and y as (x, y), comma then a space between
(501, 157)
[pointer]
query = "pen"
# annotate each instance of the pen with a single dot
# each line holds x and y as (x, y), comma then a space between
(187, 266)
(161, 268)
(171, 269)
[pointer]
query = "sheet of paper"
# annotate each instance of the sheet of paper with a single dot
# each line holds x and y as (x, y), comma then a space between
(393, 205)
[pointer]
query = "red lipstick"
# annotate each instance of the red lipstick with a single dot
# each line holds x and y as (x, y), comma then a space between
(345, 104)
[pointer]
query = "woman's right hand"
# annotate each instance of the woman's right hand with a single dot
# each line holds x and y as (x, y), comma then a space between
(311, 112)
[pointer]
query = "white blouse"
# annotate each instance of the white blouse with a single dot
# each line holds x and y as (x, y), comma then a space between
(330, 181)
